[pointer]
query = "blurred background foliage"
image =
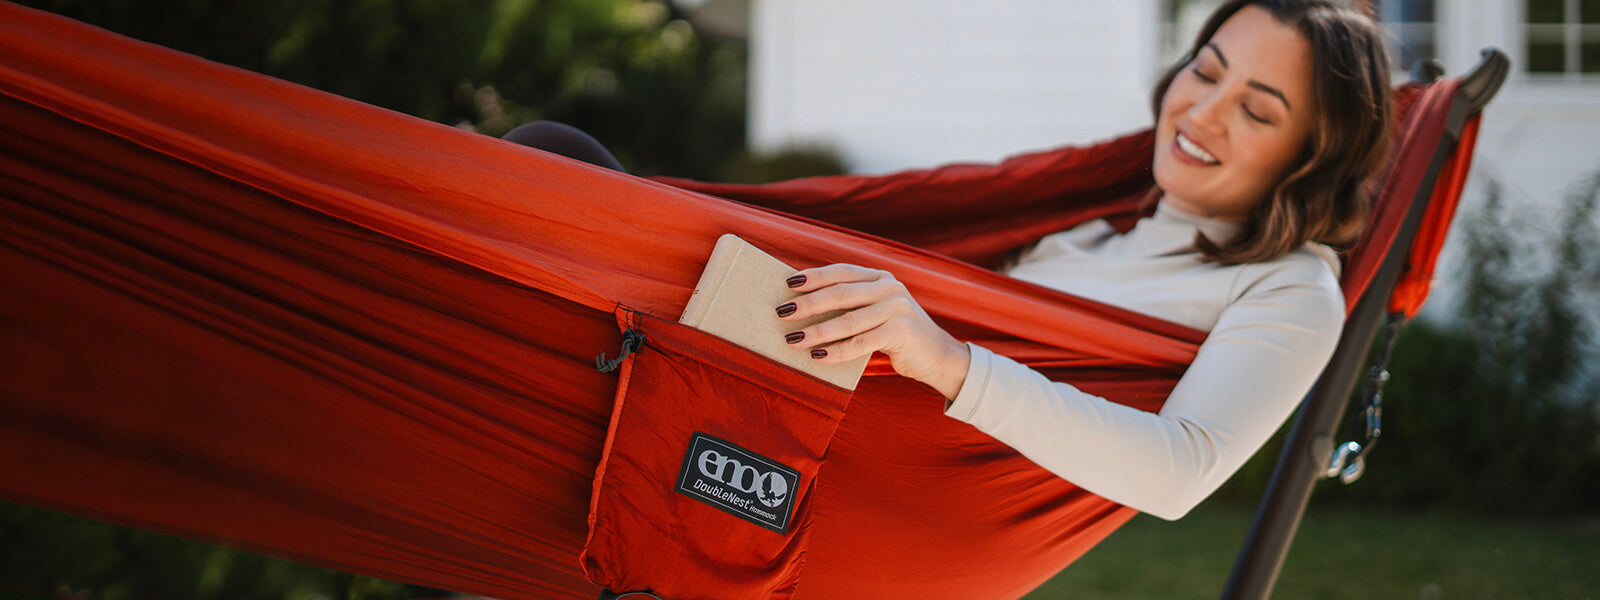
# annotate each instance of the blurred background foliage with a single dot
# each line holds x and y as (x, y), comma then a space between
(1486, 481)
(1493, 404)
(664, 97)
(66, 557)
(1492, 408)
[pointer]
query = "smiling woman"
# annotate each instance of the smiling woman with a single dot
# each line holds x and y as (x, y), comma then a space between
(1299, 96)
(1266, 134)
(1228, 131)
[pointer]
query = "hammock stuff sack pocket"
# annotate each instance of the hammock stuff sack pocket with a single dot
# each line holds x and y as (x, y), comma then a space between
(703, 488)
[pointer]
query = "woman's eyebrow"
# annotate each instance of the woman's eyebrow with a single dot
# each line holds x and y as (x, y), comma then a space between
(1253, 83)
(1218, 51)
(1270, 90)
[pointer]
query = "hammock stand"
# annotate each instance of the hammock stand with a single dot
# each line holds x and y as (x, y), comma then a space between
(242, 311)
(1310, 455)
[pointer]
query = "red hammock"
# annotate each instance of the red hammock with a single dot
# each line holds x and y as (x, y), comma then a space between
(243, 311)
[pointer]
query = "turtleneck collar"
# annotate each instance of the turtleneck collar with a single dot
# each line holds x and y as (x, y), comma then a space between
(1217, 230)
(1170, 232)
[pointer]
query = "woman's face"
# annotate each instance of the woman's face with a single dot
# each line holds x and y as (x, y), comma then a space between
(1235, 119)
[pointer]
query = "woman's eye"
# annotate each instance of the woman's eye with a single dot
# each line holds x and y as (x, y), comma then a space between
(1255, 117)
(1202, 76)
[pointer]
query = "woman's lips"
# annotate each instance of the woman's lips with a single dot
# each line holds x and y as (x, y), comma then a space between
(1192, 152)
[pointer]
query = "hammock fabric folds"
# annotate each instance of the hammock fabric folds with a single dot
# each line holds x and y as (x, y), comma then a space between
(244, 311)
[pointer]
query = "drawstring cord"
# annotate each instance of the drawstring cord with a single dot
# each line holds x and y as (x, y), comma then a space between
(632, 341)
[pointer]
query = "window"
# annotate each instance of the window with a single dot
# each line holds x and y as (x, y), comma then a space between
(1563, 36)
(1408, 25)
(1180, 21)
(1410, 28)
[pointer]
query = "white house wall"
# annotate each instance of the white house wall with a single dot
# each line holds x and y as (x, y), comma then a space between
(1538, 140)
(1539, 134)
(895, 84)
(899, 84)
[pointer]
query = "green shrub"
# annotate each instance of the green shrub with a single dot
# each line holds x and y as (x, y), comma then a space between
(791, 162)
(1496, 407)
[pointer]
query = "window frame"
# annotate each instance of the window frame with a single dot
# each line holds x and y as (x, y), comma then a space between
(1571, 33)
(1398, 31)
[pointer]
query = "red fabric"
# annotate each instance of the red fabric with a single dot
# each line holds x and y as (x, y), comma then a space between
(1420, 129)
(972, 212)
(978, 212)
(1415, 282)
(244, 311)
(649, 528)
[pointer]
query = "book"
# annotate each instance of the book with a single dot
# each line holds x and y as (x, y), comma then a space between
(736, 300)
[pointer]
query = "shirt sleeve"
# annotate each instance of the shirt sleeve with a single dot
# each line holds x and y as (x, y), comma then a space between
(1265, 352)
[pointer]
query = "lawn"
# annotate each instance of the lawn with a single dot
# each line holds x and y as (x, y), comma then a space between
(1344, 554)
(1338, 554)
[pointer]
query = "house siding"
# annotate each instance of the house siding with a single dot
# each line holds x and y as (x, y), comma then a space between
(895, 84)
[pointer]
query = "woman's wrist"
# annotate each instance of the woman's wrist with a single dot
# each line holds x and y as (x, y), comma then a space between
(951, 374)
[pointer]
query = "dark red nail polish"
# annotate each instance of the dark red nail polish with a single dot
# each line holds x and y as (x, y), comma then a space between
(796, 281)
(795, 338)
(819, 353)
(787, 309)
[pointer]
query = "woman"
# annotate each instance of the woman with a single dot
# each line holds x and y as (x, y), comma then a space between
(1265, 135)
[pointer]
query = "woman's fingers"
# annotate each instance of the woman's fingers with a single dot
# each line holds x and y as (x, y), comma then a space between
(877, 314)
(846, 325)
(853, 347)
(845, 289)
(839, 296)
(866, 299)
(821, 277)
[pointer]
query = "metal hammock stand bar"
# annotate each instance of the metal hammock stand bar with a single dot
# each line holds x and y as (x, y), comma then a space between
(1310, 454)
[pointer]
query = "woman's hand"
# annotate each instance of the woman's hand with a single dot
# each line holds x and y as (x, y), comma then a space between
(880, 316)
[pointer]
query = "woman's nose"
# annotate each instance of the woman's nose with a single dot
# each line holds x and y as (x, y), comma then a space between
(1206, 111)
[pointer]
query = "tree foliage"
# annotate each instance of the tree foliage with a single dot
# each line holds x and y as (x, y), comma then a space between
(665, 98)
(1496, 407)
(44, 552)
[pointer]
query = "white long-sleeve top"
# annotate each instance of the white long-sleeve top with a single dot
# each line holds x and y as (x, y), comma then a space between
(1273, 326)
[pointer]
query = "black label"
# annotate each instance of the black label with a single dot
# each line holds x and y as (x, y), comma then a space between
(748, 485)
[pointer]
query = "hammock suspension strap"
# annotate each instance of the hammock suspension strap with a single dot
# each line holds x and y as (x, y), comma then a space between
(1349, 460)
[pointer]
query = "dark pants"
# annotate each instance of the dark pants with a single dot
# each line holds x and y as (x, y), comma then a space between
(565, 140)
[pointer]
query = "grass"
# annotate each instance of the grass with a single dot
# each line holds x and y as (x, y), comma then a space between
(1340, 554)
(1337, 554)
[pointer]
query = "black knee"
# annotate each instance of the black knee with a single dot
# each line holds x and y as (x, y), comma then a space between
(566, 140)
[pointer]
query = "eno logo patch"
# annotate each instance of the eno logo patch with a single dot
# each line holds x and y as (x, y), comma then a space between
(748, 485)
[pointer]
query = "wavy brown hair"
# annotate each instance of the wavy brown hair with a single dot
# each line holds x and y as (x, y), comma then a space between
(1323, 199)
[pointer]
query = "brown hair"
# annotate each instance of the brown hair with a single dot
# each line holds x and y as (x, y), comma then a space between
(1324, 199)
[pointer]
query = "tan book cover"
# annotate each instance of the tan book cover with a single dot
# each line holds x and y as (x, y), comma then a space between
(736, 300)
